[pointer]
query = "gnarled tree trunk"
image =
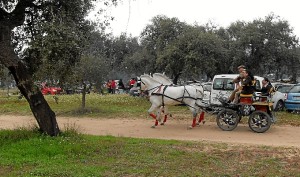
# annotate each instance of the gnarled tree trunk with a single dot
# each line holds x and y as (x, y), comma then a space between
(42, 112)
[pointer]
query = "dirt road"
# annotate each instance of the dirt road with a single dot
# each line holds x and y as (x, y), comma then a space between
(286, 136)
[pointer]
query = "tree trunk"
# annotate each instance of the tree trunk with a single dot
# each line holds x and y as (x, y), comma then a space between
(83, 96)
(42, 112)
(176, 76)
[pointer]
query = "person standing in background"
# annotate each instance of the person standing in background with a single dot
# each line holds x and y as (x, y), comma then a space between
(113, 86)
(121, 86)
(108, 86)
(132, 82)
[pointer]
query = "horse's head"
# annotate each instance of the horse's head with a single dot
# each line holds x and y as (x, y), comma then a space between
(148, 82)
(143, 86)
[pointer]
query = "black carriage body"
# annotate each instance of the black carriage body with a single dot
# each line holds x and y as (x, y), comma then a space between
(258, 111)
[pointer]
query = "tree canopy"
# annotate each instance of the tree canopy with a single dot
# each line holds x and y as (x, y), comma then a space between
(43, 38)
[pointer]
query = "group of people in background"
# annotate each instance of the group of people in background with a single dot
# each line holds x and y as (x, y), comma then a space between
(112, 85)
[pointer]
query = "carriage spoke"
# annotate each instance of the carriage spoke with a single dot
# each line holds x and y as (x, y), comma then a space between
(227, 119)
(259, 121)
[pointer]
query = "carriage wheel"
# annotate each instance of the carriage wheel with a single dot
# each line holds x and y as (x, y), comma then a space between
(259, 121)
(227, 119)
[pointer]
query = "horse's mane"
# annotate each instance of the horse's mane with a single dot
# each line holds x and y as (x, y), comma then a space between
(163, 76)
(147, 76)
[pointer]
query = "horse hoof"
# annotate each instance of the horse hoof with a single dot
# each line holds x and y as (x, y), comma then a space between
(153, 126)
(203, 122)
(162, 123)
(190, 127)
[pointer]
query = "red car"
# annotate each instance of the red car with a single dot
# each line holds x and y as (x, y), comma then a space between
(51, 90)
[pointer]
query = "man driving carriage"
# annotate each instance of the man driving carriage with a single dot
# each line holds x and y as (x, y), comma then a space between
(247, 83)
(237, 81)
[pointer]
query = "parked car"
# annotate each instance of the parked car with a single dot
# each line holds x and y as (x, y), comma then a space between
(49, 90)
(277, 84)
(278, 98)
(292, 103)
(285, 88)
(206, 88)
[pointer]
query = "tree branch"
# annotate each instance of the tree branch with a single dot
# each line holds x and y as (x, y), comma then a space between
(17, 16)
(3, 15)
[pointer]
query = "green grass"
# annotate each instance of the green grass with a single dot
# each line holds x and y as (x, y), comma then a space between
(28, 153)
(96, 105)
(69, 105)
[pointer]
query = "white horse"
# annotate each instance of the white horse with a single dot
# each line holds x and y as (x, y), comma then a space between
(165, 80)
(162, 78)
(160, 95)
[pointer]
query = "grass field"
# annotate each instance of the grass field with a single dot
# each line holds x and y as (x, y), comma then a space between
(25, 152)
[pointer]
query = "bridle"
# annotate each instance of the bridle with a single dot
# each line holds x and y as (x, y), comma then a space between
(148, 90)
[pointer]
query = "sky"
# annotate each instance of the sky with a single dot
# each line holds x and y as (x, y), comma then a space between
(132, 16)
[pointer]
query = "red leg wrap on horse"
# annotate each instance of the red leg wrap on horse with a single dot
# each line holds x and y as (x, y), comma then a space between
(194, 122)
(201, 117)
(165, 119)
(156, 123)
(153, 116)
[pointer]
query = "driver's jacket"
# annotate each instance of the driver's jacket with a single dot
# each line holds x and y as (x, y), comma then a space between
(247, 84)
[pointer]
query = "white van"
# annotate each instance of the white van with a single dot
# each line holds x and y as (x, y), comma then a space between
(222, 86)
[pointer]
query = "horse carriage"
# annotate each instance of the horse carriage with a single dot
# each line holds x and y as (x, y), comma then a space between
(162, 93)
(258, 109)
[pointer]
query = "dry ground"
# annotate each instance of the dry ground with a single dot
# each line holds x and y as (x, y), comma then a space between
(286, 136)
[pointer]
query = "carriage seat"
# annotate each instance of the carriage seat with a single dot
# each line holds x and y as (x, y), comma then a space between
(261, 103)
(246, 98)
(245, 95)
(263, 106)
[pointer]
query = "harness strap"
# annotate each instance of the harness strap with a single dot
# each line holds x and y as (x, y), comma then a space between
(159, 94)
(163, 94)
(183, 94)
(153, 88)
(176, 99)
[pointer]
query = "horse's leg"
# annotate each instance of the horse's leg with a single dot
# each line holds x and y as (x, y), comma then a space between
(153, 108)
(194, 111)
(158, 118)
(165, 111)
(201, 118)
